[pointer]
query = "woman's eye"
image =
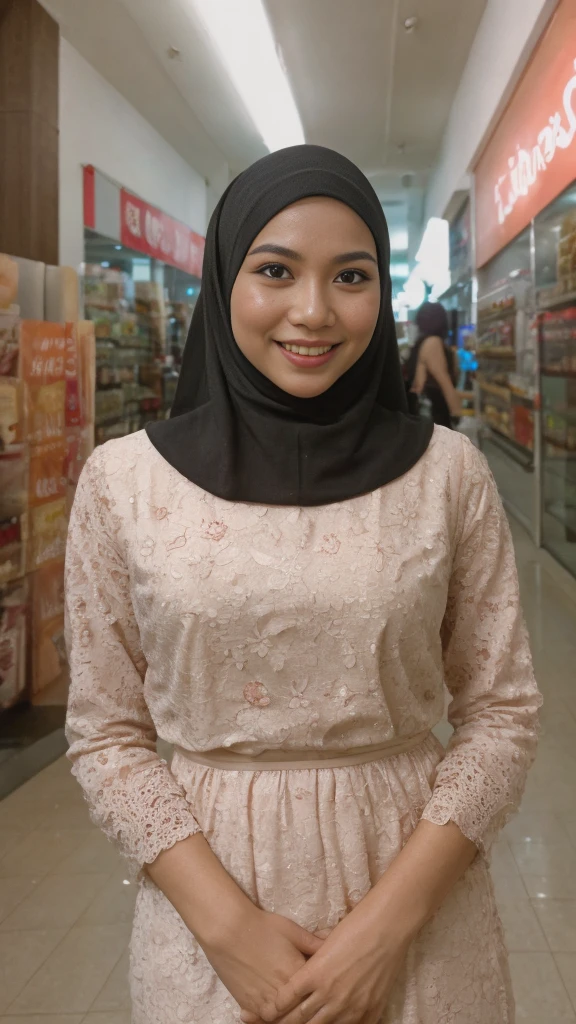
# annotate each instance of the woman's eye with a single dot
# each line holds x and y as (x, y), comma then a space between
(351, 277)
(276, 271)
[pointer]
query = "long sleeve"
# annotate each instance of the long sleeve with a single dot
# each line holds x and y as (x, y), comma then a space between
(488, 669)
(131, 792)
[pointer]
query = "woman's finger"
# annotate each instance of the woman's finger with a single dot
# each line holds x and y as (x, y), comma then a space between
(291, 995)
(306, 1011)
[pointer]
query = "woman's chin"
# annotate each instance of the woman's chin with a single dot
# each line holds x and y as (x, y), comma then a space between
(304, 388)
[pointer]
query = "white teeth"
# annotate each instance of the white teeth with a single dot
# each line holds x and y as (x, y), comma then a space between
(300, 350)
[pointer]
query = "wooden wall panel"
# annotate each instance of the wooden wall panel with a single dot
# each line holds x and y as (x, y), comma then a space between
(29, 47)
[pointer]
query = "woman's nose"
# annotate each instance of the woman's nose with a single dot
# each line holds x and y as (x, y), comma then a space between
(311, 307)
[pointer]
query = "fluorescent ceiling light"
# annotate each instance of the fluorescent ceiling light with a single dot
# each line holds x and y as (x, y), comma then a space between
(398, 240)
(399, 270)
(241, 33)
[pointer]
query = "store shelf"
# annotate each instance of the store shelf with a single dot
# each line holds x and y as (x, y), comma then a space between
(495, 316)
(522, 456)
(557, 301)
(496, 389)
(549, 372)
(560, 445)
(493, 352)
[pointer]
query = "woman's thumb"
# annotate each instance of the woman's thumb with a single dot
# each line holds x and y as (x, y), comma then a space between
(307, 942)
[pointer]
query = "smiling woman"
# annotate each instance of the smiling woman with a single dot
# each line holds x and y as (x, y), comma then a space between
(280, 581)
(305, 321)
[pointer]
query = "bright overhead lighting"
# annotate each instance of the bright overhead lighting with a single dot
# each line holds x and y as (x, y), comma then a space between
(241, 33)
(398, 240)
(399, 270)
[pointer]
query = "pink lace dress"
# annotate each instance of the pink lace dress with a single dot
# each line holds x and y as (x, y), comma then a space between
(232, 627)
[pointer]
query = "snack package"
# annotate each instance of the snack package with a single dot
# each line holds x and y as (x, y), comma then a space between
(48, 472)
(13, 629)
(13, 548)
(8, 281)
(43, 362)
(48, 652)
(48, 531)
(9, 344)
(13, 425)
(14, 472)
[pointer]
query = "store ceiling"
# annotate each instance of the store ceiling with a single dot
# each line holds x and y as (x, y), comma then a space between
(362, 84)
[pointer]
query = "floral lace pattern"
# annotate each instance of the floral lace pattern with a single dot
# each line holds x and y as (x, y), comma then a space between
(216, 625)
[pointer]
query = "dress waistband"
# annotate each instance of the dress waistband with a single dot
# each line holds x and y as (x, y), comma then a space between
(268, 761)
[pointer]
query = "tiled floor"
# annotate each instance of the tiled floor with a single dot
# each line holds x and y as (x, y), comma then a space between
(65, 903)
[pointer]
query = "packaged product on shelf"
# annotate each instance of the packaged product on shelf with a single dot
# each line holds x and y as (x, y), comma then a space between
(13, 629)
(9, 344)
(48, 531)
(48, 472)
(13, 424)
(79, 446)
(84, 332)
(48, 652)
(8, 282)
(13, 548)
(567, 253)
(14, 476)
(43, 354)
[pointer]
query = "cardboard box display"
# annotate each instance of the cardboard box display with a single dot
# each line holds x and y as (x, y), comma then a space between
(13, 631)
(48, 472)
(48, 531)
(13, 408)
(13, 548)
(48, 650)
(8, 281)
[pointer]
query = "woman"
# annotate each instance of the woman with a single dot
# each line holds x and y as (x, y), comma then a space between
(278, 581)
(430, 371)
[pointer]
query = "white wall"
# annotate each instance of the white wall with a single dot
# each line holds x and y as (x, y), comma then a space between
(98, 126)
(505, 38)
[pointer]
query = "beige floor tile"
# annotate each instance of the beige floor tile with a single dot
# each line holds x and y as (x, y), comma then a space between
(40, 852)
(566, 963)
(20, 815)
(21, 954)
(13, 891)
(9, 838)
(56, 902)
(50, 1018)
(67, 815)
(75, 973)
(116, 993)
(558, 920)
(119, 1017)
(538, 858)
(95, 854)
(522, 928)
(541, 997)
(114, 904)
(536, 827)
(559, 886)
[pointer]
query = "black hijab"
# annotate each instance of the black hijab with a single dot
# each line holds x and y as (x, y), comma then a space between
(235, 433)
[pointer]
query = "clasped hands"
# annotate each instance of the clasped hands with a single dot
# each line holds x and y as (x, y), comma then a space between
(347, 977)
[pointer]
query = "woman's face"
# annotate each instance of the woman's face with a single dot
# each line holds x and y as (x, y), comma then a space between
(306, 300)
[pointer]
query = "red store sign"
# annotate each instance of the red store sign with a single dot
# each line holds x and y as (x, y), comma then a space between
(531, 157)
(148, 230)
(111, 210)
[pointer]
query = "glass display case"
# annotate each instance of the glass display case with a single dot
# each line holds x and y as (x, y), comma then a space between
(507, 378)
(555, 260)
(141, 310)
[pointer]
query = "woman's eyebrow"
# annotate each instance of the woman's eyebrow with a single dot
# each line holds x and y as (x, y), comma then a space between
(276, 250)
(351, 257)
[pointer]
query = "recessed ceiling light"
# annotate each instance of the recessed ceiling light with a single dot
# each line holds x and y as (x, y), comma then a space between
(242, 35)
(411, 23)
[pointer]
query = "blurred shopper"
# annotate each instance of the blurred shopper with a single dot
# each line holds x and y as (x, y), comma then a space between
(430, 371)
(279, 581)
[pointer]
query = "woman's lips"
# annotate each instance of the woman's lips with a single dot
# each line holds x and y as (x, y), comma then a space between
(296, 353)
